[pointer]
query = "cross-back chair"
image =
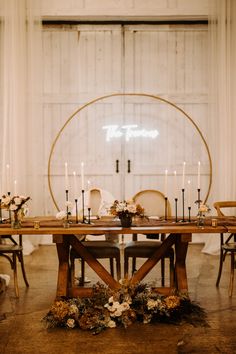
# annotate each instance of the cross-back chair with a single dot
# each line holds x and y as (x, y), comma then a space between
(13, 251)
(153, 202)
(101, 249)
(226, 246)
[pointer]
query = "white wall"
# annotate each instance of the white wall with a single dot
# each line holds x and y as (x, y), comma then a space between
(127, 9)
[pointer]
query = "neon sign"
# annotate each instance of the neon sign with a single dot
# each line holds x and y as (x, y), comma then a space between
(128, 131)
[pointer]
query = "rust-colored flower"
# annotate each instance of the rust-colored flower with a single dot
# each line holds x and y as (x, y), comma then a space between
(172, 301)
(60, 310)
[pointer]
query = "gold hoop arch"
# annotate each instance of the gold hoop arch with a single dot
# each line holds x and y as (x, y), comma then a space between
(126, 94)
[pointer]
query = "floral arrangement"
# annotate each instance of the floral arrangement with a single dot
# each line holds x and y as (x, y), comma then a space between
(203, 209)
(126, 208)
(108, 308)
(16, 204)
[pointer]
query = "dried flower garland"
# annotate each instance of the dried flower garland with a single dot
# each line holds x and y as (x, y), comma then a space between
(109, 308)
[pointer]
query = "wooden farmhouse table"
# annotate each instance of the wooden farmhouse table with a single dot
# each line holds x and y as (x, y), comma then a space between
(178, 235)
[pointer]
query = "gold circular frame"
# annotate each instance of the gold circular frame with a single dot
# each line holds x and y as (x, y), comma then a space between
(125, 94)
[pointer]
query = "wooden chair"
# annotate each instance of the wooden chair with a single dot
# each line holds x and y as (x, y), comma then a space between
(226, 246)
(13, 251)
(153, 202)
(102, 249)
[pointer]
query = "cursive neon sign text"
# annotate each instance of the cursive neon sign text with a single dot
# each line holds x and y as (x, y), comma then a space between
(128, 131)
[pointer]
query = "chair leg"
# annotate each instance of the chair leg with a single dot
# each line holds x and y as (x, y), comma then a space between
(221, 260)
(118, 270)
(220, 267)
(172, 272)
(82, 272)
(126, 266)
(72, 271)
(163, 272)
(111, 267)
(133, 265)
(21, 260)
(231, 283)
(14, 265)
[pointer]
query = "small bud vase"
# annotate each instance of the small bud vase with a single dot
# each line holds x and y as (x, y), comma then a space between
(15, 223)
(200, 219)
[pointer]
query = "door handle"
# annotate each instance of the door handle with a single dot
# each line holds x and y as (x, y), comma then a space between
(129, 164)
(117, 166)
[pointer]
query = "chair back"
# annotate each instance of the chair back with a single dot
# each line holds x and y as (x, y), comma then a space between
(153, 202)
(229, 206)
(95, 201)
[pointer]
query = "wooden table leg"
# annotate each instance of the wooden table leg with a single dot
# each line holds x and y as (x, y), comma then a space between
(181, 247)
(63, 267)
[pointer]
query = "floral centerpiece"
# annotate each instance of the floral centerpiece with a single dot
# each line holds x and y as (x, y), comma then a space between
(17, 205)
(108, 308)
(126, 210)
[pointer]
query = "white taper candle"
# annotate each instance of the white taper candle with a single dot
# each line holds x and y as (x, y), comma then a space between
(199, 175)
(66, 177)
(82, 175)
(183, 177)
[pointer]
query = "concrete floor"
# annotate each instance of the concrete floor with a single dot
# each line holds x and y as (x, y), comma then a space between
(22, 331)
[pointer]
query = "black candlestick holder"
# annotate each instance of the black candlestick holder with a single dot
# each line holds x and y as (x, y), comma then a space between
(189, 213)
(166, 200)
(76, 211)
(176, 209)
(183, 190)
(9, 194)
(83, 215)
(89, 215)
(66, 222)
(198, 201)
(0, 211)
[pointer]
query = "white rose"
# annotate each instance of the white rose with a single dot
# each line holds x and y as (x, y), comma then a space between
(117, 313)
(70, 323)
(111, 324)
(17, 201)
(73, 309)
(151, 304)
(132, 208)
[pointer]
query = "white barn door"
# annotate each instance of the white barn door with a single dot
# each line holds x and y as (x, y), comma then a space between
(85, 62)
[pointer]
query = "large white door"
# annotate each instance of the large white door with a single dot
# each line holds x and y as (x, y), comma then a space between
(87, 62)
